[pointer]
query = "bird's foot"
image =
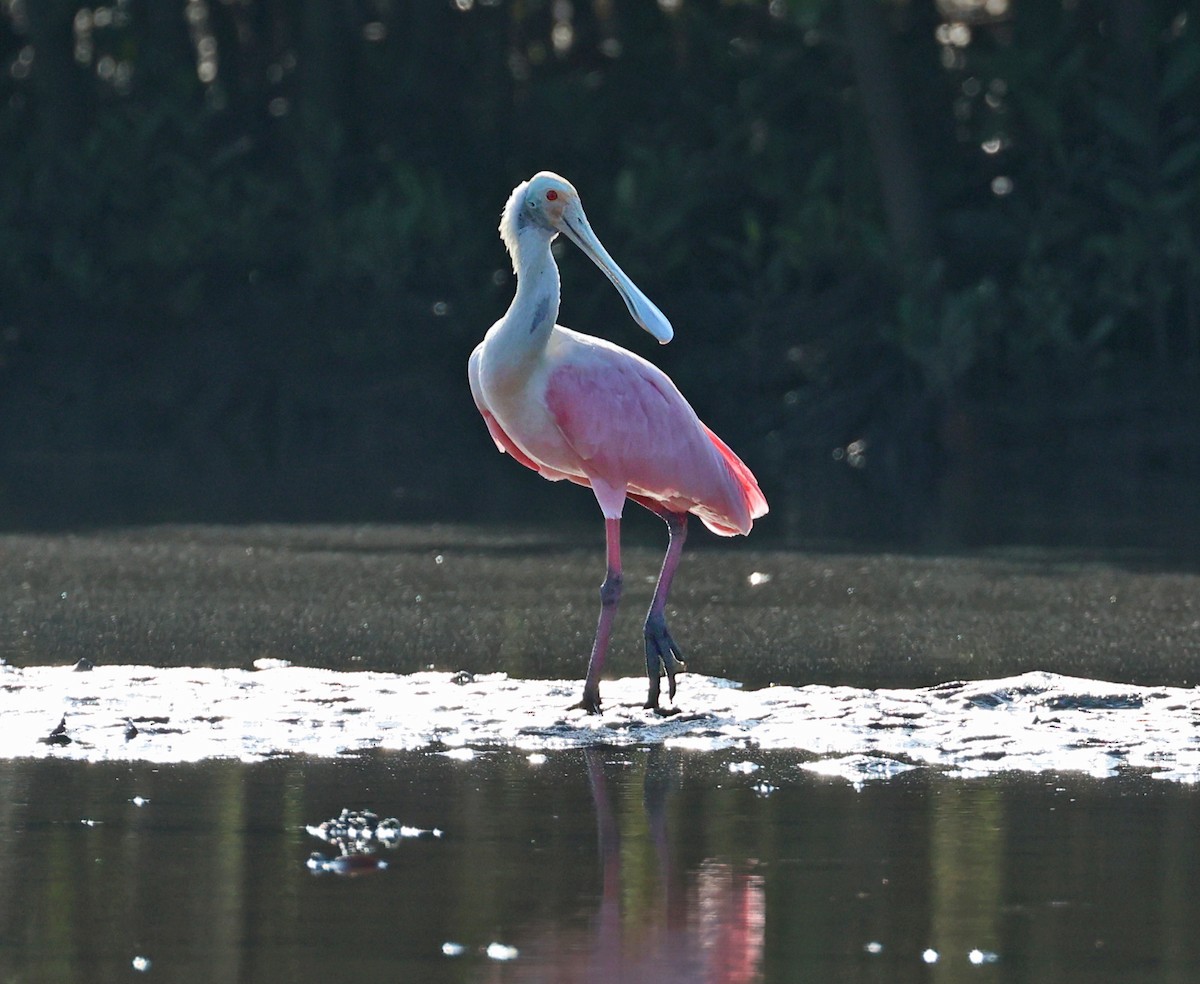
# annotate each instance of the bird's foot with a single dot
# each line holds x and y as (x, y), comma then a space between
(663, 658)
(590, 701)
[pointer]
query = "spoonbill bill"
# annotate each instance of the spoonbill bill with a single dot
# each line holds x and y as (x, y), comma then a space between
(573, 406)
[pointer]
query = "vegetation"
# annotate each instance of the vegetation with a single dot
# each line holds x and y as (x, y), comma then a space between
(245, 248)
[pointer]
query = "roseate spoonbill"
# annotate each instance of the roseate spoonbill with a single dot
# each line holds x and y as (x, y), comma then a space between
(573, 406)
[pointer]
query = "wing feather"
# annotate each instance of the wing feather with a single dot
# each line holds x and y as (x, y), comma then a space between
(633, 429)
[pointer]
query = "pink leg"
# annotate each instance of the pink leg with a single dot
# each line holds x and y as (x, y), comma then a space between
(662, 654)
(610, 599)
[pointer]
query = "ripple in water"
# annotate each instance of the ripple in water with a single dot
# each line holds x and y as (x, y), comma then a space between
(1030, 723)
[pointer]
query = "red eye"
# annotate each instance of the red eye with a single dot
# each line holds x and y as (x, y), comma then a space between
(551, 195)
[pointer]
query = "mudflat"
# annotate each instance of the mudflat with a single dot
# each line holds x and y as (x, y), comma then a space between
(524, 601)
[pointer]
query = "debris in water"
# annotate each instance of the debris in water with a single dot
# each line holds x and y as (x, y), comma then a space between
(355, 863)
(857, 768)
(362, 827)
(358, 835)
(451, 949)
(500, 951)
(59, 735)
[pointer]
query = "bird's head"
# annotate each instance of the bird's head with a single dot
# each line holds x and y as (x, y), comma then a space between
(549, 204)
(549, 200)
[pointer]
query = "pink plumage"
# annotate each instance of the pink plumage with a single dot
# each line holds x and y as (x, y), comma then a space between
(632, 428)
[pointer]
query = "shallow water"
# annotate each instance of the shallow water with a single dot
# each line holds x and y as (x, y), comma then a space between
(603, 864)
(1035, 722)
(866, 819)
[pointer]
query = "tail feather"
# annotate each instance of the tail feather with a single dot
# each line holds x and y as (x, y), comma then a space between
(756, 502)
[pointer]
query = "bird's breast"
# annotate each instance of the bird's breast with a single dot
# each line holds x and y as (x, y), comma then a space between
(515, 394)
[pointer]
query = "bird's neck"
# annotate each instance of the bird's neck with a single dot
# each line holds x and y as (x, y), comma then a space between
(526, 326)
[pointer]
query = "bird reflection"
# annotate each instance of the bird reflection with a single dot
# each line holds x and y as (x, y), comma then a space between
(706, 928)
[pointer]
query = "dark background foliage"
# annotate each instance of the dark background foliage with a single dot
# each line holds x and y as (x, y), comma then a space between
(934, 267)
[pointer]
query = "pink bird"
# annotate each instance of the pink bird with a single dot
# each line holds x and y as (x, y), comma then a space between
(573, 406)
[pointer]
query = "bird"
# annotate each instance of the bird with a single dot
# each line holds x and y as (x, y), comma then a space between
(580, 408)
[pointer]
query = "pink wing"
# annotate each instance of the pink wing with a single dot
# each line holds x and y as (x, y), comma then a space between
(633, 430)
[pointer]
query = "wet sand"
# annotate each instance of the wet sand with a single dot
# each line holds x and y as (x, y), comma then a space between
(404, 598)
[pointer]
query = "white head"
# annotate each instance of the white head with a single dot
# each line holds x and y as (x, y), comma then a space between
(546, 205)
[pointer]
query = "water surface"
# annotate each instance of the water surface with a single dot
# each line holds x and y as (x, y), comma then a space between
(603, 864)
(969, 768)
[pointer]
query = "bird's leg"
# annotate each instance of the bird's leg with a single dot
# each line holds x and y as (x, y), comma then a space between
(662, 655)
(610, 599)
